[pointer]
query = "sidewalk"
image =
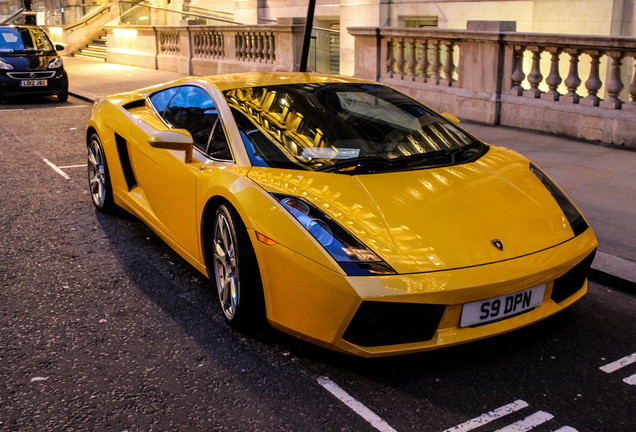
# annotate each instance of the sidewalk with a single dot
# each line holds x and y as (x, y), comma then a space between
(601, 180)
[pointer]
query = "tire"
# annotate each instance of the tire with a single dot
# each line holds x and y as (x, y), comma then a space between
(62, 97)
(99, 185)
(236, 274)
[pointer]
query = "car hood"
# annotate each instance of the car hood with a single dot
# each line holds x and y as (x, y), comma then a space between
(439, 218)
(27, 62)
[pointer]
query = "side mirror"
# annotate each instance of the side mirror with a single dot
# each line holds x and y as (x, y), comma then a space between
(59, 47)
(450, 117)
(175, 139)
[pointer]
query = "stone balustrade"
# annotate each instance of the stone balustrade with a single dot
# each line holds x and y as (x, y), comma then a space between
(205, 50)
(582, 86)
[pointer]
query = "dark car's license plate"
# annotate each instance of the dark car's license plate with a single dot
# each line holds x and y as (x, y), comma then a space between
(497, 308)
(33, 83)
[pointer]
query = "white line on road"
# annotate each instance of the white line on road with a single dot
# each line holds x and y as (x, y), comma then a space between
(355, 405)
(56, 169)
(488, 417)
(631, 380)
(614, 366)
(73, 106)
(528, 423)
(73, 166)
(12, 109)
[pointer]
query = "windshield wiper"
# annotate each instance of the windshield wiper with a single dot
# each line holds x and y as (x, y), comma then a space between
(454, 153)
(356, 163)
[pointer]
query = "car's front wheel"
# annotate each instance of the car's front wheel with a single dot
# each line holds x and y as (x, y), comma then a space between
(236, 273)
(99, 184)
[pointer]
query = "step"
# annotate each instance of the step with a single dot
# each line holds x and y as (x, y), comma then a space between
(92, 52)
(100, 48)
(89, 57)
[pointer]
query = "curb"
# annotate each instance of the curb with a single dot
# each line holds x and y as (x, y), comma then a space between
(82, 95)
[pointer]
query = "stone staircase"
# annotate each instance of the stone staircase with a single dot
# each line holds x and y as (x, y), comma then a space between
(96, 50)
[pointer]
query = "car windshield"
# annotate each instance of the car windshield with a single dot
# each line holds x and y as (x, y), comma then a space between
(24, 39)
(345, 127)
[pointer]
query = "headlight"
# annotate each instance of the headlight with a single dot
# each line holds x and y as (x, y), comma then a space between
(574, 217)
(353, 256)
(5, 66)
(55, 63)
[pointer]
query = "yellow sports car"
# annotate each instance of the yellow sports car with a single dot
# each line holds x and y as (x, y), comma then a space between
(344, 212)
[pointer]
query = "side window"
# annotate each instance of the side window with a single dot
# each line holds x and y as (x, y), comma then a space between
(192, 108)
(160, 100)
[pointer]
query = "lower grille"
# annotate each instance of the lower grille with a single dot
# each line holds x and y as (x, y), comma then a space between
(31, 75)
(386, 323)
(573, 280)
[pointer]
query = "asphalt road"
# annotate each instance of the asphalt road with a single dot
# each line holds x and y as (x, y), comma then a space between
(104, 328)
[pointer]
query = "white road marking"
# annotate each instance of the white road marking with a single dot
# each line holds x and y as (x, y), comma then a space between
(528, 423)
(56, 169)
(489, 416)
(620, 363)
(73, 166)
(355, 405)
(73, 106)
(566, 429)
(631, 380)
(12, 109)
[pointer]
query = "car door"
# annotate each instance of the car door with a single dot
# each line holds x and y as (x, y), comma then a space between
(168, 181)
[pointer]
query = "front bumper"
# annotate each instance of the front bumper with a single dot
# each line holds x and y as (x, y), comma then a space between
(317, 304)
(56, 84)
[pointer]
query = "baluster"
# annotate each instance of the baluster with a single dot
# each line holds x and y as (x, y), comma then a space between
(253, 49)
(260, 48)
(436, 65)
(534, 77)
(390, 58)
(215, 45)
(573, 81)
(412, 60)
(632, 90)
(400, 59)
(272, 47)
(554, 77)
(266, 47)
(221, 40)
(207, 44)
(243, 45)
(614, 84)
(593, 83)
(423, 64)
(449, 64)
(517, 76)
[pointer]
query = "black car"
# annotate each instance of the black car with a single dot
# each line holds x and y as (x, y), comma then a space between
(29, 64)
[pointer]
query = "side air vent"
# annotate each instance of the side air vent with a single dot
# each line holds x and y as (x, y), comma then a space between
(135, 104)
(124, 158)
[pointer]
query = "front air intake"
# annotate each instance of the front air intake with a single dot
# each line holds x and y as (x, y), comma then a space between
(573, 280)
(385, 323)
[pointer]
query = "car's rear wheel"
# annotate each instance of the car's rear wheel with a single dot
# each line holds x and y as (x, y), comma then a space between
(99, 184)
(236, 273)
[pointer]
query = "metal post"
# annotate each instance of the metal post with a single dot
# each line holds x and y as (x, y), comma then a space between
(309, 23)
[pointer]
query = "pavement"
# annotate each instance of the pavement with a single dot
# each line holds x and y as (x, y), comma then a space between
(600, 179)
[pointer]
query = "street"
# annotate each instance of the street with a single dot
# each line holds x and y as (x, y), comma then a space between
(105, 328)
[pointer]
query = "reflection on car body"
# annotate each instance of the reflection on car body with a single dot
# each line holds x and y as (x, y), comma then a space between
(342, 211)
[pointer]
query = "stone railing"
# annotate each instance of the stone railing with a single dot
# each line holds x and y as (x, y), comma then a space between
(490, 73)
(204, 50)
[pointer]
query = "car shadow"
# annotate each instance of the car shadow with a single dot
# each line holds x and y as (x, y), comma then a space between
(190, 300)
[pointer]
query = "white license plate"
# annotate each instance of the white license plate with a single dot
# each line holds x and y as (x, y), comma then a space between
(497, 308)
(33, 83)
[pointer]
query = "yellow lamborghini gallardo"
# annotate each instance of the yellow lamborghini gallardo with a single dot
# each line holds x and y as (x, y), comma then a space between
(342, 211)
